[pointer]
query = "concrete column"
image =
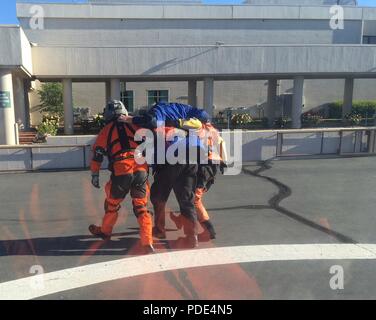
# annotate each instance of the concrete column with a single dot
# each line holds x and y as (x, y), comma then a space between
(27, 86)
(123, 87)
(297, 102)
(115, 89)
(209, 95)
(348, 97)
(272, 101)
(7, 119)
(108, 92)
(192, 93)
(19, 101)
(68, 106)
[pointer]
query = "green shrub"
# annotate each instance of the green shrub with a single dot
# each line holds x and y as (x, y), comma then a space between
(49, 125)
(51, 98)
(99, 121)
(364, 108)
(335, 110)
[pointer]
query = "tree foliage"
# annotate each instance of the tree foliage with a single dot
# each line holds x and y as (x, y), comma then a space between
(51, 98)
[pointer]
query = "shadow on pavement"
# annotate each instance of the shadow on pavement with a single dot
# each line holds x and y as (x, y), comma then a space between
(87, 245)
(71, 246)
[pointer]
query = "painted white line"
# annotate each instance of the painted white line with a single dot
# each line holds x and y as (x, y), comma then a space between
(73, 278)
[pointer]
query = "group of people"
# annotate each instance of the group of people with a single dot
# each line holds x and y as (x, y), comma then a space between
(190, 176)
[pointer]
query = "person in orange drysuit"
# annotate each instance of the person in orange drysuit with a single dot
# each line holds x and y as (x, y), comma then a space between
(206, 174)
(116, 140)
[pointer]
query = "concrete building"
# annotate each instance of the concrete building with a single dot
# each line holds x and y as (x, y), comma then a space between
(273, 56)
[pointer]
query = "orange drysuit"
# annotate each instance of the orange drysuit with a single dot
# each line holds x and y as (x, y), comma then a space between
(116, 140)
(207, 172)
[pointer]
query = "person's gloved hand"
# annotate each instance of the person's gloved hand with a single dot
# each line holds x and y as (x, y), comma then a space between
(189, 124)
(95, 180)
(222, 167)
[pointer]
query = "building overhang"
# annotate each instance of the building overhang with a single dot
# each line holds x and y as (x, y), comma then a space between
(15, 50)
(222, 62)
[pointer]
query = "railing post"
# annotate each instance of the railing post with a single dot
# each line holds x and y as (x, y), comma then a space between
(340, 143)
(31, 159)
(371, 141)
(355, 140)
(279, 144)
(16, 133)
(84, 157)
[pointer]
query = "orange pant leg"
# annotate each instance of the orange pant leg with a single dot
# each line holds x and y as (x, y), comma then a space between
(111, 210)
(202, 214)
(140, 192)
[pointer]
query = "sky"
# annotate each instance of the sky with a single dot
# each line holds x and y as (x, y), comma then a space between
(8, 7)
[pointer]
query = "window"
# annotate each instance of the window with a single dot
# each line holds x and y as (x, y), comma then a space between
(127, 97)
(155, 96)
(369, 39)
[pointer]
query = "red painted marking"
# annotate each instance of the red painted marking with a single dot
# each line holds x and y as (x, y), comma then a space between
(324, 222)
(34, 204)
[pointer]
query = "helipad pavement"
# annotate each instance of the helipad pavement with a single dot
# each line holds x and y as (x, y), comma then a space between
(286, 230)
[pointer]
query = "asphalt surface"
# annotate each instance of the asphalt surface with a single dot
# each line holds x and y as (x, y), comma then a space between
(44, 219)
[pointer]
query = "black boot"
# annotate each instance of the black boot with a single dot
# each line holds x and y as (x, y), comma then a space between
(207, 225)
(96, 231)
(160, 234)
(159, 230)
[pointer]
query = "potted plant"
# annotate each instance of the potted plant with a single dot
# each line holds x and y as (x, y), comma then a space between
(353, 119)
(48, 127)
(241, 120)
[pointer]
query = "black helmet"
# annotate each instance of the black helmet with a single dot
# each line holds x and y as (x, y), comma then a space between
(114, 109)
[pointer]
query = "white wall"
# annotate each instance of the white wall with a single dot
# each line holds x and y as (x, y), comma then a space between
(117, 32)
(26, 52)
(124, 11)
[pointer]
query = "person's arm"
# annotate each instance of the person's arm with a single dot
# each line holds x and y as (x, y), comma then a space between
(99, 151)
(220, 144)
(144, 121)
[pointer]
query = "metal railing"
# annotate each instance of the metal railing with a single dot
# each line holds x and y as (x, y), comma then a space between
(358, 146)
(39, 146)
(289, 143)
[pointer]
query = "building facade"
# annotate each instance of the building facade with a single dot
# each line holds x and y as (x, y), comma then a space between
(272, 57)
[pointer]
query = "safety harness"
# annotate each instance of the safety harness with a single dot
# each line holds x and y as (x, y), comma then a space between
(124, 141)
